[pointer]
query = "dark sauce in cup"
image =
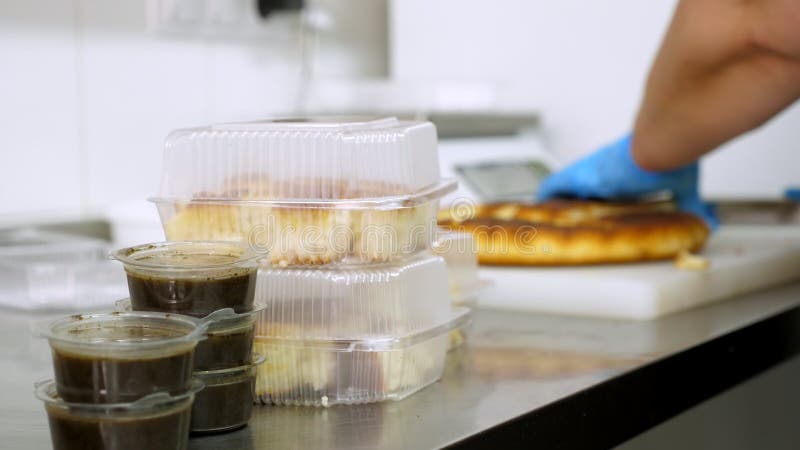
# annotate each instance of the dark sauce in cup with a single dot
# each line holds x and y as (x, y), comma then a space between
(196, 297)
(226, 403)
(226, 346)
(86, 379)
(164, 430)
(194, 279)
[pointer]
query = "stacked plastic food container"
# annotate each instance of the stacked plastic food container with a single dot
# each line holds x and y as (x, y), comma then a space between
(176, 357)
(343, 212)
(123, 380)
(213, 282)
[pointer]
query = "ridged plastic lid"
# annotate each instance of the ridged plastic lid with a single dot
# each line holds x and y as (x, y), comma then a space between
(459, 317)
(340, 302)
(313, 159)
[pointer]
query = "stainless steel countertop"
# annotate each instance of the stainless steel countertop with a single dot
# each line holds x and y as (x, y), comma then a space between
(511, 365)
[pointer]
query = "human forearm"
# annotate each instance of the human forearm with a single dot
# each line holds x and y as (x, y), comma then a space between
(724, 68)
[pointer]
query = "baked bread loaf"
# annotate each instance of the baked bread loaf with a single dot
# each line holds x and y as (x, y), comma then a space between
(574, 232)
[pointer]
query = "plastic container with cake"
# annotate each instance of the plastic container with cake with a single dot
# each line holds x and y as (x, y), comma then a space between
(306, 191)
(324, 372)
(460, 254)
(338, 302)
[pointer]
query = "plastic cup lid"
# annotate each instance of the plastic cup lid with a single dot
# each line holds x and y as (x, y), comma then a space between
(221, 318)
(46, 391)
(122, 331)
(188, 255)
(217, 376)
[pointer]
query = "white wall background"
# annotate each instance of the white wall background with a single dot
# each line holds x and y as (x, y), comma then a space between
(88, 93)
(583, 64)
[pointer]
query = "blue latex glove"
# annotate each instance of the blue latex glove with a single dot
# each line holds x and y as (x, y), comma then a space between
(611, 173)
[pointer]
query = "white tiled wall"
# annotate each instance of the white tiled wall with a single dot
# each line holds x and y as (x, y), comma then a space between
(88, 92)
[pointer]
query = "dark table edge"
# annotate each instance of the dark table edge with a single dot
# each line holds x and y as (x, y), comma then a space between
(621, 408)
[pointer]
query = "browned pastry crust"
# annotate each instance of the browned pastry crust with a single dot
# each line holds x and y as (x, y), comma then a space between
(572, 232)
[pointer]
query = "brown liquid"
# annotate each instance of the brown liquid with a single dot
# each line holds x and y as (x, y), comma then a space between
(84, 379)
(225, 349)
(223, 407)
(169, 431)
(192, 296)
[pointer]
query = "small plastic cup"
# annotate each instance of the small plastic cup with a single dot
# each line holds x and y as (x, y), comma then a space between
(192, 278)
(228, 344)
(155, 422)
(121, 356)
(226, 403)
(229, 338)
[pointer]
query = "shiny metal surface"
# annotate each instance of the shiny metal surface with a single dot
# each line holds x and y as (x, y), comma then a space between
(512, 363)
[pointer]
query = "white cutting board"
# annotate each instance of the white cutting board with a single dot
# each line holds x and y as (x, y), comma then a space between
(743, 259)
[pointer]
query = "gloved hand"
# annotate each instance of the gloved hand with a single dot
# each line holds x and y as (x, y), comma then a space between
(611, 173)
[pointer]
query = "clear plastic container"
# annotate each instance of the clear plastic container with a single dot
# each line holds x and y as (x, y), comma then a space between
(45, 270)
(458, 336)
(460, 254)
(119, 356)
(337, 302)
(307, 191)
(226, 402)
(156, 422)
(192, 278)
(335, 158)
(314, 372)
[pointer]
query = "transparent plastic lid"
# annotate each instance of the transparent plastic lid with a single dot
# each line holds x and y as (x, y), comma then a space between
(316, 159)
(345, 302)
(46, 391)
(231, 374)
(218, 321)
(208, 257)
(458, 317)
(123, 334)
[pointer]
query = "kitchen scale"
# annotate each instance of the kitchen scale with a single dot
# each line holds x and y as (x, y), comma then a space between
(495, 169)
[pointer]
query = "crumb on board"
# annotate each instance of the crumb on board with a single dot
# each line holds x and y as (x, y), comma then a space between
(688, 261)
